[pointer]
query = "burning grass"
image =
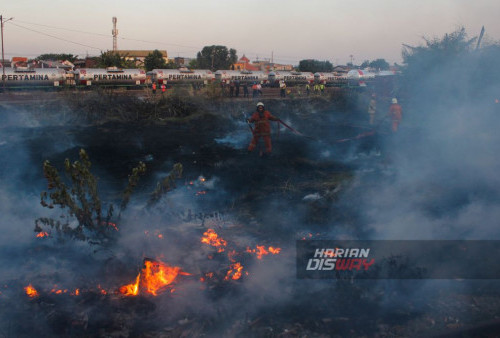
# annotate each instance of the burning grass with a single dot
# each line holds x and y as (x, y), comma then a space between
(154, 278)
(221, 278)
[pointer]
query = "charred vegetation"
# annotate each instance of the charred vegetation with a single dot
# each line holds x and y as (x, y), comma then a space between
(226, 233)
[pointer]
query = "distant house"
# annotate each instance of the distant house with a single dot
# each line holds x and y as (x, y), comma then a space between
(89, 62)
(182, 61)
(244, 64)
(18, 61)
(269, 66)
(277, 66)
(138, 56)
(341, 70)
(66, 65)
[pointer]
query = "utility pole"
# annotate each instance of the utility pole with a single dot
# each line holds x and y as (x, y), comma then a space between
(213, 56)
(115, 34)
(3, 57)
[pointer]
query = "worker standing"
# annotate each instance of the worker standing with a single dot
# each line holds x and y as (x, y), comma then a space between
(255, 91)
(153, 86)
(308, 89)
(316, 88)
(262, 129)
(282, 89)
(395, 113)
(245, 89)
(372, 108)
(163, 88)
(231, 89)
(237, 88)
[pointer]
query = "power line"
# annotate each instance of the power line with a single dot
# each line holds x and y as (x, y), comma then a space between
(63, 28)
(55, 37)
(107, 36)
(284, 58)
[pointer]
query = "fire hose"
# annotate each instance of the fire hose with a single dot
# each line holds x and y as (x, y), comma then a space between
(248, 122)
(363, 135)
(296, 131)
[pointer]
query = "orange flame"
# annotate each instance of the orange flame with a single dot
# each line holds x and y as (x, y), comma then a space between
(42, 234)
(234, 272)
(261, 251)
(131, 289)
(154, 277)
(31, 291)
(101, 290)
(210, 237)
(274, 251)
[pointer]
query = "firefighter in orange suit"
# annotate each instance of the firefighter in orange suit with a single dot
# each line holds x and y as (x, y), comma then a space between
(262, 129)
(395, 113)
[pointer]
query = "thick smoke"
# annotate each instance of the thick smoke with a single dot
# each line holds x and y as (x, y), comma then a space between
(435, 179)
(445, 183)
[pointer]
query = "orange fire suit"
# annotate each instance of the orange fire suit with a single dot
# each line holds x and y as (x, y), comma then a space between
(395, 113)
(262, 129)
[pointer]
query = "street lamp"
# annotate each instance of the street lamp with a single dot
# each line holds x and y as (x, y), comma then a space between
(2, 21)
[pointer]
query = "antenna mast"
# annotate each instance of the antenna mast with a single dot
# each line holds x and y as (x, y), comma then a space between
(115, 34)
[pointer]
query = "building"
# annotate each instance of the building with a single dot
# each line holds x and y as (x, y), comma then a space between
(66, 65)
(138, 56)
(244, 64)
(270, 66)
(182, 61)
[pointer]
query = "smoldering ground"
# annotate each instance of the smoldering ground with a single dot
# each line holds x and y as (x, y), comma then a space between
(309, 188)
(240, 194)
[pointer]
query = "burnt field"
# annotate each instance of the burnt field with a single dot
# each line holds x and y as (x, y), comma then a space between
(211, 251)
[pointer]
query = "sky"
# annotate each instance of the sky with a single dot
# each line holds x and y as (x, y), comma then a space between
(286, 31)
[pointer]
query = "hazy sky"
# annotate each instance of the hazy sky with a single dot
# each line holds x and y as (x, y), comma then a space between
(289, 30)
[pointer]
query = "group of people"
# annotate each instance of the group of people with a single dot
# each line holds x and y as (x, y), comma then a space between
(395, 113)
(234, 88)
(318, 88)
(163, 88)
(262, 127)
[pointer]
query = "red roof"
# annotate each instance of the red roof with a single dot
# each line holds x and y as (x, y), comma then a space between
(249, 66)
(244, 59)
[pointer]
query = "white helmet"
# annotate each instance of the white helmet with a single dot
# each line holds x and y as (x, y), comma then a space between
(260, 104)
(394, 100)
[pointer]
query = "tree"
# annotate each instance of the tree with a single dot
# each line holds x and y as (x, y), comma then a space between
(154, 60)
(365, 64)
(193, 64)
(379, 64)
(314, 66)
(437, 51)
(447, 72)
(59, 57)
(112, 59)
(216, 57)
